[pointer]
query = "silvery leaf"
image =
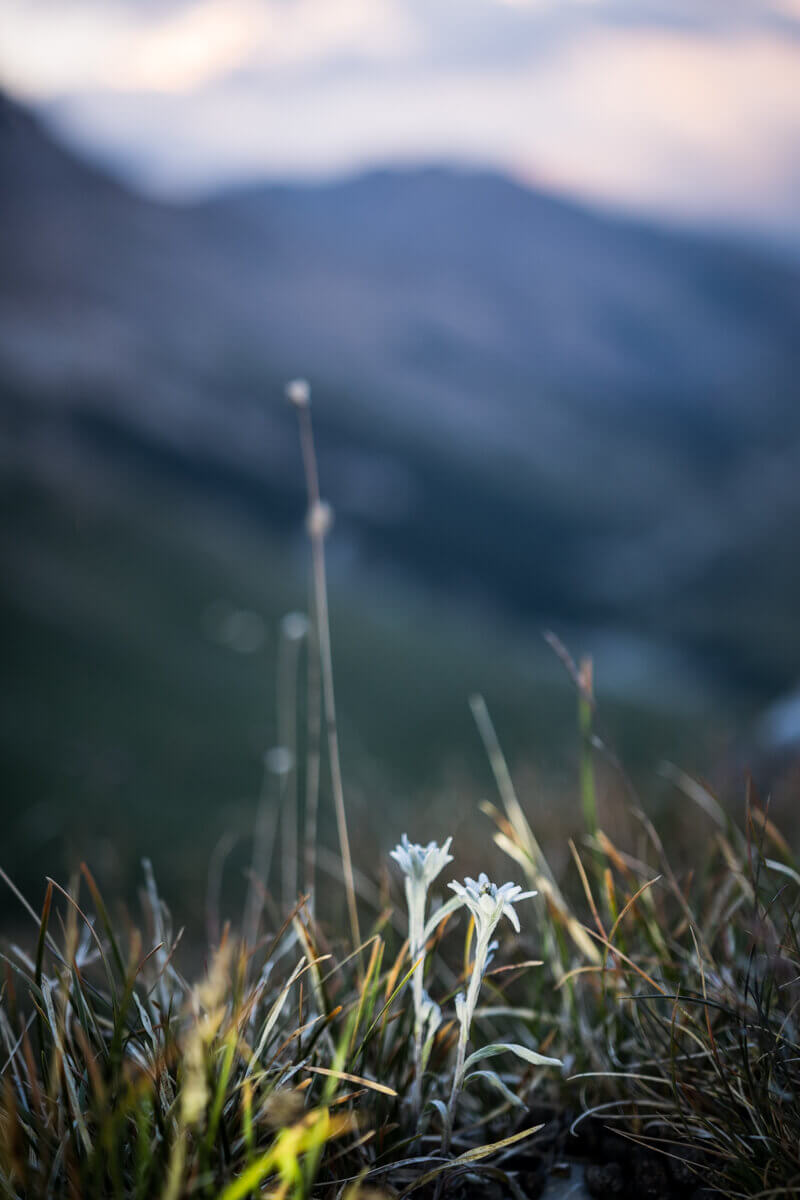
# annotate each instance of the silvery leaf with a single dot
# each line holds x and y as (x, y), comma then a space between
(531, 1056)
(435, 919)
(496, 1082)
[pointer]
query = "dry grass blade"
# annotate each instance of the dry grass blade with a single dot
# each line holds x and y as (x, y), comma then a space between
(470, 1156)
(359, 1079)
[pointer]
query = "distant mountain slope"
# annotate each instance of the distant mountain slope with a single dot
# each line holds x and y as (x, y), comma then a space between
(557, 408)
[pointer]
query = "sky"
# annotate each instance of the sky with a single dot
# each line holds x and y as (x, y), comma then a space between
(684, 108)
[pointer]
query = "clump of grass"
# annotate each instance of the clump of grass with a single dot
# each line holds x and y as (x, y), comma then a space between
(288, 1065)
(704, 979)
(681, 1012)
(292, 1067)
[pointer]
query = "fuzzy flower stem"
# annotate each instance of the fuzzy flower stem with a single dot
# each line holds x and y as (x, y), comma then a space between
(416, 948)
(465, 1015)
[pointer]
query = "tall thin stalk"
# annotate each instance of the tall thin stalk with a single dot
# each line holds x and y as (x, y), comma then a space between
(276, 763)
(294, 627)
(585, 720)
(313, 756)
(318, 523)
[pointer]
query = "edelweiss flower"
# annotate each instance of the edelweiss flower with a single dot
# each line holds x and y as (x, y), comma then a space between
(488, 903)
(421, 863)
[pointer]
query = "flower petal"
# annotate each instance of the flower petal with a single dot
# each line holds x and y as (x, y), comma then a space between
(510, 912)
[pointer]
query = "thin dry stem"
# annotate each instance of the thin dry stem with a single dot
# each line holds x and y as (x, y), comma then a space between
(313, 755)
(317, 536)
(287, 719)
(266, 822)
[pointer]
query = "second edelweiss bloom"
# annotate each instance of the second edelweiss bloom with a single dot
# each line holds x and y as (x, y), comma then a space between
(488, 903)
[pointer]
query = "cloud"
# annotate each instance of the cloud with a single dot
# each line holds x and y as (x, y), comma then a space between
(55, 47)
(689, 107)
(52, 48)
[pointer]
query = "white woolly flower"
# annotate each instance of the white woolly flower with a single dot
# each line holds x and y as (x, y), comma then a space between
(421, 863)
(488, 903)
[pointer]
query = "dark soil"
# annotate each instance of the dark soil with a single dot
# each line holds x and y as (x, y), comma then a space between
(614, 1165)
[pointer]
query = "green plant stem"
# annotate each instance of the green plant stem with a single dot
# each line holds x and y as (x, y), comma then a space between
(587, 784)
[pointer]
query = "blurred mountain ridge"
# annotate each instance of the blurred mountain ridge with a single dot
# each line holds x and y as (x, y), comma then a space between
(570, 413)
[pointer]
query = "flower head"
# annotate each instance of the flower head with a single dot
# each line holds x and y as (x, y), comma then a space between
(488, 903)
(294, 626)
(279, 760)
(421, 864)
(298, 393)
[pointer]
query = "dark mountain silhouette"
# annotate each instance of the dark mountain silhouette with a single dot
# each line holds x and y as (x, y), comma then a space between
(570, 413)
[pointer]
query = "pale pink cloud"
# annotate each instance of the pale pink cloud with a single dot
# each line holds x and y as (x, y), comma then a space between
(697, 122)
(51, 47)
